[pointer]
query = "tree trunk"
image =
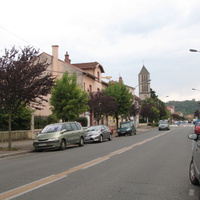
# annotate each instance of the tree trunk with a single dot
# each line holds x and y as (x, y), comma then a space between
(117, 121)
(9, 128)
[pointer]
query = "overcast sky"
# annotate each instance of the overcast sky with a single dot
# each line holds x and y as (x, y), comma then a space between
(122, 35)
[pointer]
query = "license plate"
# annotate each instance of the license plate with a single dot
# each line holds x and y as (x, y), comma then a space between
(41, 145)
(123, 132)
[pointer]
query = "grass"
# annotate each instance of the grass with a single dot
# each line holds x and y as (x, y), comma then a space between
(8, 149)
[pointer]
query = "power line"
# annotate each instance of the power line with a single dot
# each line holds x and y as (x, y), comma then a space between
(16, 36)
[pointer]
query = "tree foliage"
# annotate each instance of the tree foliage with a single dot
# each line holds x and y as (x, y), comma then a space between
(100, 104)
(68, 100)
(20, 120)
(154, 109)
(122, 96)
(186, 107)
(24, 81)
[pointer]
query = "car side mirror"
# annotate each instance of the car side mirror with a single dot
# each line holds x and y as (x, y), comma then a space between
(64, 130)
(193, 136)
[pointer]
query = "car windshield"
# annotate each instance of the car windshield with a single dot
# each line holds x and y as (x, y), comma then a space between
(163, 122)
(94, 128)
(52, 128)
(127, 125)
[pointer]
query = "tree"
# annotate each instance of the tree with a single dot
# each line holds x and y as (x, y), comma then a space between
(101, 104)
(154, 109)
(24, 81)
(153, 94)
(122, 96)
(68, 100)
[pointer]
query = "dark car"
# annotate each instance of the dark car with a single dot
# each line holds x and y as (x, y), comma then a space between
(194, 169)
(126, 128)
(98, 133)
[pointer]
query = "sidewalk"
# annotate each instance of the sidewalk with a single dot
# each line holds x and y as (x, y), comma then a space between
(26, 146)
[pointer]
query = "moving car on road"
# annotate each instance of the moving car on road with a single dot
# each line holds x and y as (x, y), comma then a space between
(59, 135)
(126, 128)
(163, 125)
(98, 133)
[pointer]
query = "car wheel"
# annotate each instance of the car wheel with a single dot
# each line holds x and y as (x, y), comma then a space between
(62, 144)
(100, 138)
(192, 176)
(81, 142)
(110, 137)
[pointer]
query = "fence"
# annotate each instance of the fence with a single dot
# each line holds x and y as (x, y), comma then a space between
(18, 135)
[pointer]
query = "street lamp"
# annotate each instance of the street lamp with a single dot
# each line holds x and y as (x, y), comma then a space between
(195, 89)
(194, 50)
(164, 97)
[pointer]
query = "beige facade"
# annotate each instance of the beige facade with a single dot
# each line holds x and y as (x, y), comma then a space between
(88, 75)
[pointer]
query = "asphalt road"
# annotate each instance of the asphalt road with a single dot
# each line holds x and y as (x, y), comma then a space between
(152, 165)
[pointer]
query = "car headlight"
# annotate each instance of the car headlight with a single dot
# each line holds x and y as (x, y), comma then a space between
(53, 139)
(128, 129)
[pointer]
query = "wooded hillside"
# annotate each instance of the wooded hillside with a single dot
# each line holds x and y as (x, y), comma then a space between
(186, 107)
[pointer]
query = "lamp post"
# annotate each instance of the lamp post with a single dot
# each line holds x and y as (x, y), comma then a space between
(164, 97)
(194, 50)
(195, 89)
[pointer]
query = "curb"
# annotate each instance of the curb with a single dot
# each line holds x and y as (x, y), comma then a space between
(15, 153)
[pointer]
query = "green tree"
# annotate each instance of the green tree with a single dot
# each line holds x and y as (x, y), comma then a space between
(122, 96)
(20, 120)
(24, 81)
(154, 109)
(68, 100)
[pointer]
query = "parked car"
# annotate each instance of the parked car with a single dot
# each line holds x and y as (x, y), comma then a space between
(98, 133)
(59, 135)
(163, 125)
(194, 169)
(126, 128)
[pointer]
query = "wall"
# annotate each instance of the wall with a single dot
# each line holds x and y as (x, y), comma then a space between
(18, 135)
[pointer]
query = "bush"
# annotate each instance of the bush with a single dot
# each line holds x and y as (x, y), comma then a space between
(82, 120)
(21, 120)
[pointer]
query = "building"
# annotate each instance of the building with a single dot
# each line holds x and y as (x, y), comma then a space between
(144, 83)
(88, 75)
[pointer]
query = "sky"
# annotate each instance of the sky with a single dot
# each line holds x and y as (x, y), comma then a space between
(121, 35)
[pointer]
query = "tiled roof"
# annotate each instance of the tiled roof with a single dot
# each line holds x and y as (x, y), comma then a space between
(144, 71)
(90, 65)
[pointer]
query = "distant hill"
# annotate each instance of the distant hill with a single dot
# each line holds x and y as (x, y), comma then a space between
(186, 107)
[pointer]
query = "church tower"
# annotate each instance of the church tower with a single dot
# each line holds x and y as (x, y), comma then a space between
(144, 83)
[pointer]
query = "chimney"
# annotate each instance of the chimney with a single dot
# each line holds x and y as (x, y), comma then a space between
(67, 60)
(55, 63)
(55, 51)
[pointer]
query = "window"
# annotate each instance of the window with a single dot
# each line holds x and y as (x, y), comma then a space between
(78, 126)
(69, 128)
(98, 75)
(90, 88)
(74, 127)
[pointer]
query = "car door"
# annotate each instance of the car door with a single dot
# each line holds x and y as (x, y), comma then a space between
(104, 132)
(69, 133)
(75, 134)
(196, 154)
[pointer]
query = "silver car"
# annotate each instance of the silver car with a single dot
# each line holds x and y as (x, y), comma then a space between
(98, 133)
(59, 135)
